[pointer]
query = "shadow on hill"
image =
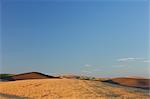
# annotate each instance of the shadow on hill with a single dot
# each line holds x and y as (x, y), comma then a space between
(8, 96)
(110, 81)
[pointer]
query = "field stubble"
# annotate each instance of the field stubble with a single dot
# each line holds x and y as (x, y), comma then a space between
(68, 89)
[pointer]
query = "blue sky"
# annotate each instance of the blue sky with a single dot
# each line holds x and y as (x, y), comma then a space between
(96, 38)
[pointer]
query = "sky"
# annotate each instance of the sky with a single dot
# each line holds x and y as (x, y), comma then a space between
(102, 38)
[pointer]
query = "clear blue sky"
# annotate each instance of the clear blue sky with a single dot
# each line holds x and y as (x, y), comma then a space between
(104, 38)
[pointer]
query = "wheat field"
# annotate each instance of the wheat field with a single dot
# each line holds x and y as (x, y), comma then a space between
(68, 89)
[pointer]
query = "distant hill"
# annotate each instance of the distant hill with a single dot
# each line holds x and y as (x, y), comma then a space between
(6, 75)
(3, 77)
(26, 76)
(131, 82)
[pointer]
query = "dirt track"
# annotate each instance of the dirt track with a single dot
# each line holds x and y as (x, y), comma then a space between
(67, 89)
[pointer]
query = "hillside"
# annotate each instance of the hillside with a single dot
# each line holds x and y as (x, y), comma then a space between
(67, 88)
(131, 82)
(26, 76)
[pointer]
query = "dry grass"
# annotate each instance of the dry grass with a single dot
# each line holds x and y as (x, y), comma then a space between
(67, 89)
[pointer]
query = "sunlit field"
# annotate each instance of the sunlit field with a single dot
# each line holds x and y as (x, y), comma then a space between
(67, 89)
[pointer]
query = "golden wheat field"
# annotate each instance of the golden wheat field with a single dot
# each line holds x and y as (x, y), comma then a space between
(68, 89)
